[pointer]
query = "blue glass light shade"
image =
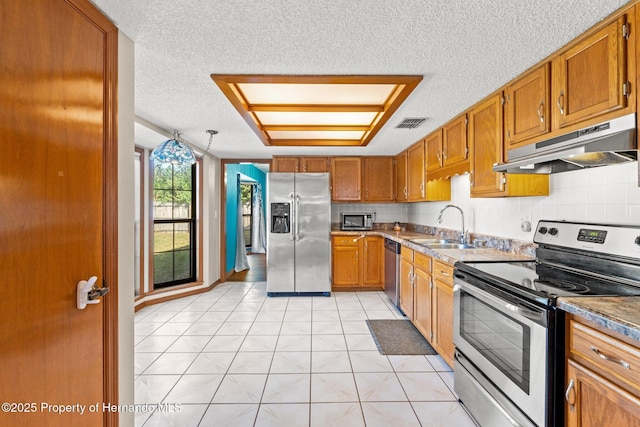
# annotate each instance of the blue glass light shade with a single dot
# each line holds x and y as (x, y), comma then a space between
(173, 151)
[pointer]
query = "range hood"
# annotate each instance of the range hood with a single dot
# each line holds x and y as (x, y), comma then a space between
(604, 144)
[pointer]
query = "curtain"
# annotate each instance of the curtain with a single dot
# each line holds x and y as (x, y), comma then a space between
(258, 240)
(241, 253)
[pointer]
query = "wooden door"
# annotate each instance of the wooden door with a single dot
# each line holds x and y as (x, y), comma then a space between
(422, 297)
(589, 77)
(379, 179)
(57, 181)
(485, 135)
(373, 267)
(402, 194)
(433, 147)
(527, 106)
(314, 164)
(454, 141)
(346, 179)
(416, 172)
(286, 164)
(591, 400)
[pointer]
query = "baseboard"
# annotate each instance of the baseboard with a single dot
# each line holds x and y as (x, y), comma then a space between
(187, 292)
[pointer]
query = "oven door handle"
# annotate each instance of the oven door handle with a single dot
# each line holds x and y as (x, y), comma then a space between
(529, 314)
(510, 304)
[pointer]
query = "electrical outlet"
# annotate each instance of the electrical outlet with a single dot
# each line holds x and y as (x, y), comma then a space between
(525, 223)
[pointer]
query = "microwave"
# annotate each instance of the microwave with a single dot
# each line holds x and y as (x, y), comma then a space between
(356, 221)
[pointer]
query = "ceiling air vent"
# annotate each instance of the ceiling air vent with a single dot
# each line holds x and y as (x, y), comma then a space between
(410, 122)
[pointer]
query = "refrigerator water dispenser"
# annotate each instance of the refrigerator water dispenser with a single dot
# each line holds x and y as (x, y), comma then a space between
(280, 219)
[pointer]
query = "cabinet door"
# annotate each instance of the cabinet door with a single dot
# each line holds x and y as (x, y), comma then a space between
(591, 400)
(433, 147)
(416, 172)
(379, 179)
(286, 164)
(454, 141)
(373, 268)
(443, 320)
(346, 179)
(589, 77)
(485, 134)
(527, 106)
(423, 303)
(402, 194)
(314, 164)
(345, 264)
(406, 288)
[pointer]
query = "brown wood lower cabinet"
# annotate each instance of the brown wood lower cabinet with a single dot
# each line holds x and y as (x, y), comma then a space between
(602, 387)
(426, 298)
(357, 262)
(443, 310)
(406, 282)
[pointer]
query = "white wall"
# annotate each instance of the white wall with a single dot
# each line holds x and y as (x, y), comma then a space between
(126, 255)
(607, 194)
(211, 219)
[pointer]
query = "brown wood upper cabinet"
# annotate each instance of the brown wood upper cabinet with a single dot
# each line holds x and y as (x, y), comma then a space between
(315, 164)
(486, 148)
(286, 164)
(301, 164)
(402, 194)
(379, 179)
(590, 77)
(447, 150)
(527, 106)
(346, 179)
(416, 172)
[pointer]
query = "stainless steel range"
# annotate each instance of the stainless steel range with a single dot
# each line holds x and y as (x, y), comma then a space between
(509, 336)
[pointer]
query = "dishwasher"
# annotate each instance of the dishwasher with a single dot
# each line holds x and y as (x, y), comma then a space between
(392, 271)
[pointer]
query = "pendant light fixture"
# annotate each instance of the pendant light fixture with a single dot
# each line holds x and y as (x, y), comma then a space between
(174, 151)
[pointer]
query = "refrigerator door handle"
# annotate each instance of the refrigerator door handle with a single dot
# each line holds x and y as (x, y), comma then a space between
(296, 223)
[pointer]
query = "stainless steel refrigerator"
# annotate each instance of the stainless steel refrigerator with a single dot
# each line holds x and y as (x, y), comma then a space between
(298, 238)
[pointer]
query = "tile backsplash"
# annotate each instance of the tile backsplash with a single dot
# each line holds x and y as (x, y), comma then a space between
(607, 194)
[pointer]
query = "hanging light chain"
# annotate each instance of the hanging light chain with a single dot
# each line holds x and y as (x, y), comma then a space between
(211, 133)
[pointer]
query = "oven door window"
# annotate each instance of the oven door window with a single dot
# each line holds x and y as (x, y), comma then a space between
(502, 340)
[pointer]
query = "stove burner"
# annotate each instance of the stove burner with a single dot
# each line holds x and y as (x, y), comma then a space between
(572, 287)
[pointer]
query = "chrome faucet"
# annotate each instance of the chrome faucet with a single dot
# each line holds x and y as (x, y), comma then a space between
(463, 237)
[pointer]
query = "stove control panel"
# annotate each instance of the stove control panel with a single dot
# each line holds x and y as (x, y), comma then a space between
(607, 239)
(591, 235)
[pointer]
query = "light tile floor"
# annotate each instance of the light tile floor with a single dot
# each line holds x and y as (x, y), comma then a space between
(233, 356)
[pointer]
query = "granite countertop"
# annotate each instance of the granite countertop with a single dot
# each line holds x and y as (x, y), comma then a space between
(620, 314)
(449, 256)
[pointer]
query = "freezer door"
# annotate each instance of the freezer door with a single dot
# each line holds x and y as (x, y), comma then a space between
(312, 229)
(280, 245)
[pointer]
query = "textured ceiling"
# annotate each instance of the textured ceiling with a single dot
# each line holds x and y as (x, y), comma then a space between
(464, 50)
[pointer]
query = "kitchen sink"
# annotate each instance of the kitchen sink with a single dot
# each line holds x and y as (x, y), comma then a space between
(430, 241)
(441, 244)
(448, 246)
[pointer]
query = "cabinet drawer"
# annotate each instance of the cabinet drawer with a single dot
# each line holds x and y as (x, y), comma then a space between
(351, 240)
(443, 272)
(611, 355)
(406, 254)
(422, 261)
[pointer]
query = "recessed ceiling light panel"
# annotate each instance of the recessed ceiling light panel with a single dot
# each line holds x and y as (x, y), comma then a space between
(316, 110)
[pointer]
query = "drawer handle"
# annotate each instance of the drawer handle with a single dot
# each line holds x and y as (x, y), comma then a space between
(444, 273)
(610, 359)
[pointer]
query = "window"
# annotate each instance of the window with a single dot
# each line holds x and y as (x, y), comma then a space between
(174, 223)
